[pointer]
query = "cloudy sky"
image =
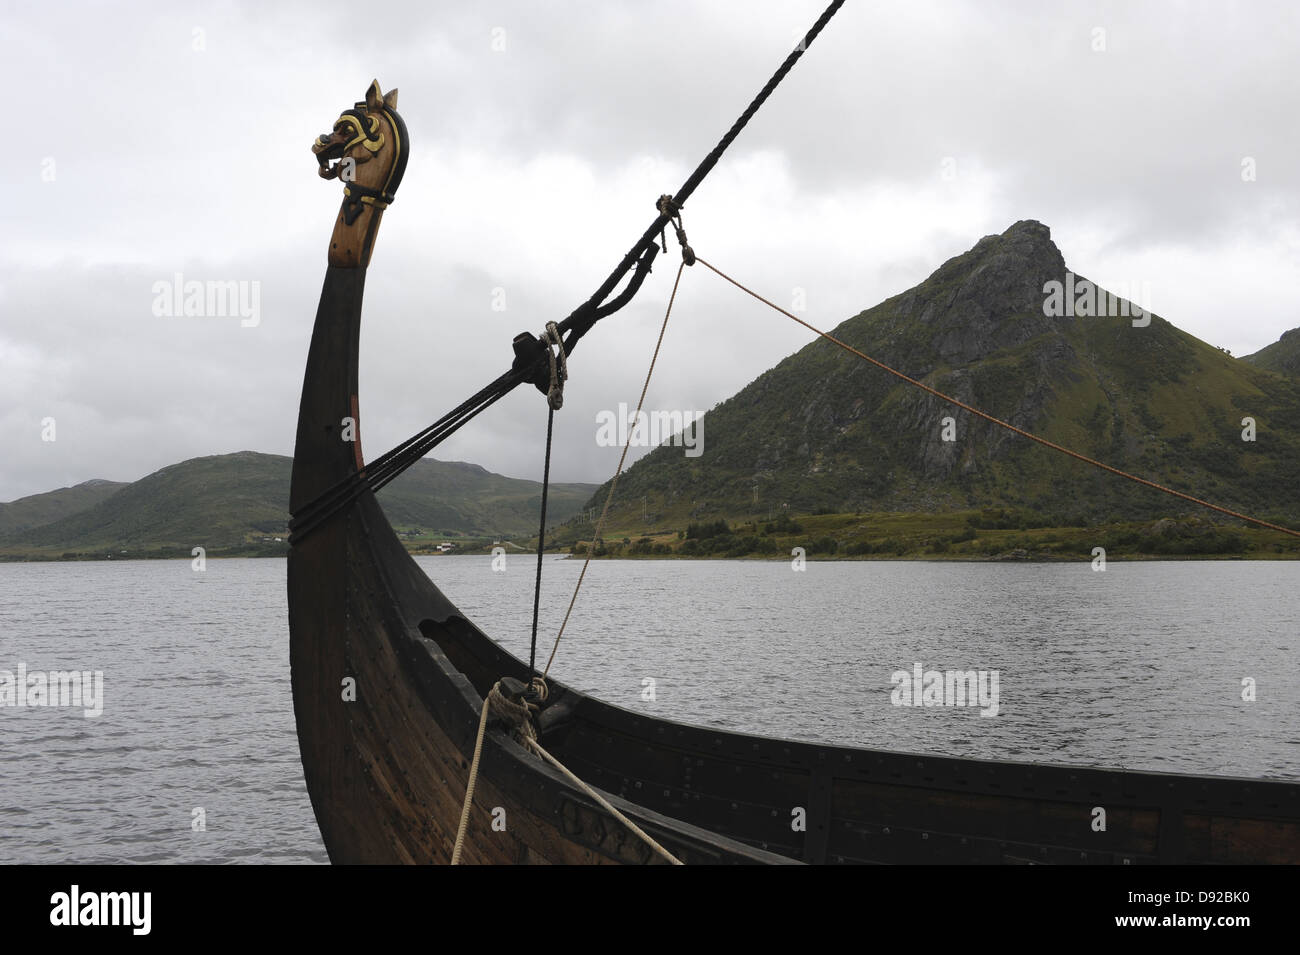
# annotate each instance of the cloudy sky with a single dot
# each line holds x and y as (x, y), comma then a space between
(150, 139)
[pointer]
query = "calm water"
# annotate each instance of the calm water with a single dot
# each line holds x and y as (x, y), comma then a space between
(1140, 667)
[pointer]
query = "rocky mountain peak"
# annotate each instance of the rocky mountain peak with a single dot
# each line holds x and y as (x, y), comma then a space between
(988, 298)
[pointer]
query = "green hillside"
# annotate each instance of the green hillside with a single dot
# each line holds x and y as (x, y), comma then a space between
(238, 504)
(824, 431)
(38, 509)
(1283, 356)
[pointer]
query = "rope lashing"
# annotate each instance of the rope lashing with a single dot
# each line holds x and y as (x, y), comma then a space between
(672, 209)
(518, 717)
(559, 368)
(998, 421)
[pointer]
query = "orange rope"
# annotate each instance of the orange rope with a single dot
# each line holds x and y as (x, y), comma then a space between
(998, 421)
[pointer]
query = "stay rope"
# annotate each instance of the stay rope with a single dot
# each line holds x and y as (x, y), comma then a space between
(373, 476)
(520, 714)
(519, 717)
(998, 421)
(618, 472)
(554, 401)
(525, 368)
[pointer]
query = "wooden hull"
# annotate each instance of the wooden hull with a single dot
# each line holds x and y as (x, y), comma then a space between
(387, 771)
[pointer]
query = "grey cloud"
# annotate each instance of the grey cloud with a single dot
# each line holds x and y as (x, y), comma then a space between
(535, 167)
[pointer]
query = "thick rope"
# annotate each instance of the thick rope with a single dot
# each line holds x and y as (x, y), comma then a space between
(712, 158)
(559, 368)
(541, 538)
(389, 465)
(392, 463)
(581, 320)
(998, 421)
(604, 511)
(473, 779)
(604, 803)
(519, 716)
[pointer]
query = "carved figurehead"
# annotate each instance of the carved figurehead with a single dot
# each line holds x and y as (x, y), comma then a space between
(366, 151)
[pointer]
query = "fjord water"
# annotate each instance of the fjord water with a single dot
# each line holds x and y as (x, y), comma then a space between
(1140, 666)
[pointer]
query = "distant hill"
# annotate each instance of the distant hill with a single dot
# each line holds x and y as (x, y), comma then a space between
(238, 503)
(1283, 356)
(455, 497)
(39, 509)
(824, 431)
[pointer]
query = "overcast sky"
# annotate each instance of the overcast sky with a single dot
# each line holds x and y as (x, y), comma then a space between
(149, 139)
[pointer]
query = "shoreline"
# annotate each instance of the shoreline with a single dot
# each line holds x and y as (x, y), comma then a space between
(747, 558)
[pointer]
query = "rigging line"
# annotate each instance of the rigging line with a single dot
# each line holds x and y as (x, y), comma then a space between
(554, 401)
(998, 421)
(712, 158)
(518, 718)
(531, 743)
(584, 317)
(431, 442)
(375, 479)
(541, 540)
(604, 511)
(399, 456)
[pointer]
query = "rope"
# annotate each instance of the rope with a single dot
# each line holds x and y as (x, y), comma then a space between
(392, 463)
(473, 780)
(604, 803)
(555, 399)
(560, 372)
(582, 318)
(519, 716)
(600, 524)
(541, 537)
(671, 208)
(999, 422)
(711, 160)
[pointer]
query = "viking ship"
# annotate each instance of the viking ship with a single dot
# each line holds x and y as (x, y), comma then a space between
(390, 682)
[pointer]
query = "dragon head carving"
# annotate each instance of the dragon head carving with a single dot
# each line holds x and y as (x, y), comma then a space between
(366, 150)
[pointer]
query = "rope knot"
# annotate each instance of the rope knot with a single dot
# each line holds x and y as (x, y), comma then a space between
(538, 690)
(507, 704)
(670, 207)
(554, 343)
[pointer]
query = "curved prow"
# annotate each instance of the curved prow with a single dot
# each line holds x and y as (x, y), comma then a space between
(368, 149)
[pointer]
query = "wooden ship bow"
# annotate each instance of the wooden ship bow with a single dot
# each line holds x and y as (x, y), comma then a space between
(386, 715)
(389, 681)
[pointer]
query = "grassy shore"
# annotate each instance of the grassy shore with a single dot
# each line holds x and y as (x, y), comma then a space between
(988, 534)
